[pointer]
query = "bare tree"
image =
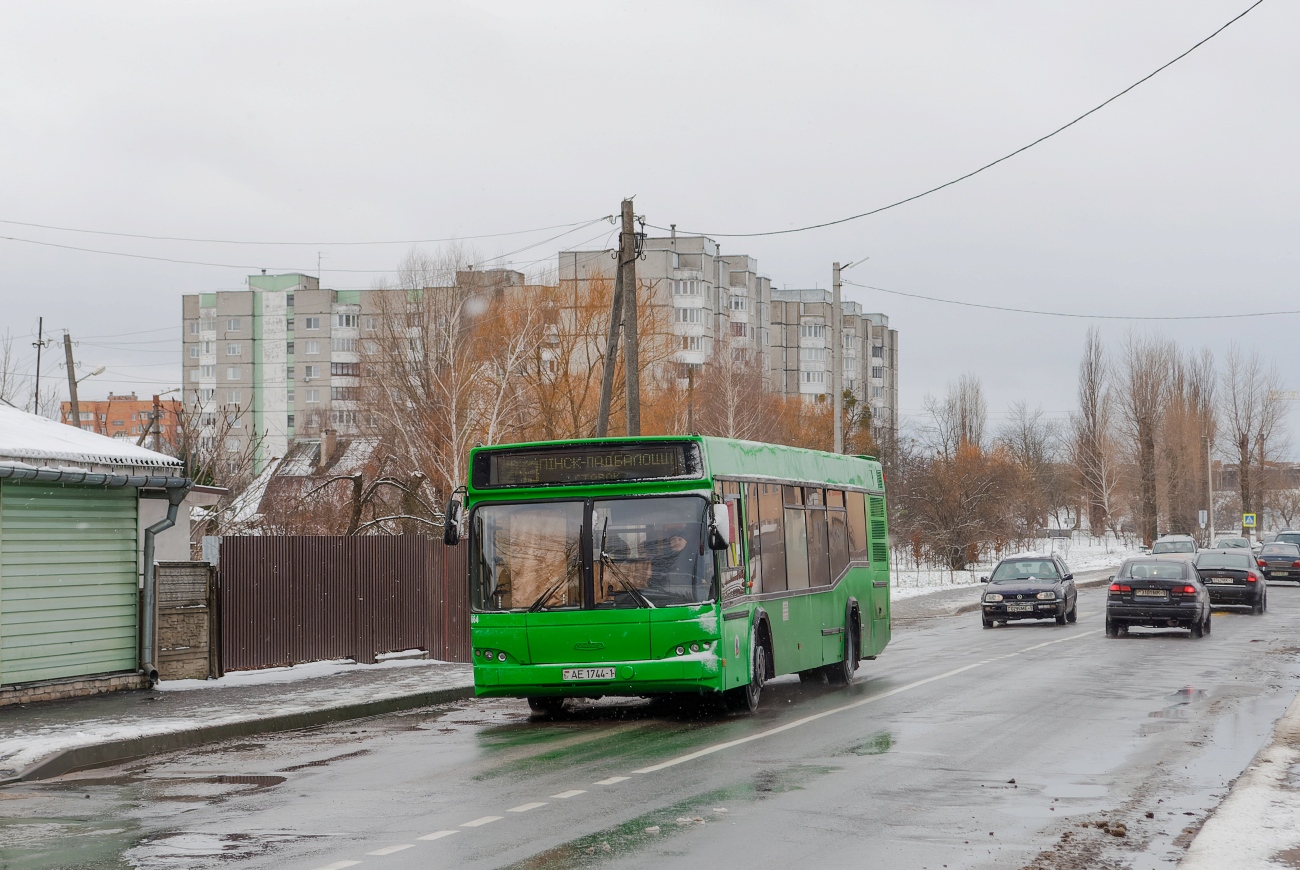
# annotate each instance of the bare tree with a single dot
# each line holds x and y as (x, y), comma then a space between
(729, 395)
(1031, 443)
(1189, 419)
(1251, 411)
(960, 418)
(1142, 389)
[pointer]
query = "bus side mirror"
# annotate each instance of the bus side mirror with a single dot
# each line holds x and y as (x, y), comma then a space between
(719, 527)
(451, 523)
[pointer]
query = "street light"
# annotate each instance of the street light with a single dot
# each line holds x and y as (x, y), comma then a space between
(98, 371)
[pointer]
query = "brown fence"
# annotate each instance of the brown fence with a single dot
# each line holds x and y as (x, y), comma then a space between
(285, 600)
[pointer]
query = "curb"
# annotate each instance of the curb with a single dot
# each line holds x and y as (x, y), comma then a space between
(115, 751)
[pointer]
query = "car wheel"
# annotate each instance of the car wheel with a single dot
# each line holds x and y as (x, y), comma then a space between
(1112, 630)
(988, 623)
(1198, 628)
(1208, 614)
(1060, 618)
(1073, 615)
(1261, 604)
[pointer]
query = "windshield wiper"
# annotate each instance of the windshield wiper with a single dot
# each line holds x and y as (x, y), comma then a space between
(545, 596)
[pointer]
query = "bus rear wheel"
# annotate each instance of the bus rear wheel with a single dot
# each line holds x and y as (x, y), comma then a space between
(841, 673)
(745, 698)
(547, 705)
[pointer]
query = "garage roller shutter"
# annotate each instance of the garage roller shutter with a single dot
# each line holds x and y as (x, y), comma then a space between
(68, 588)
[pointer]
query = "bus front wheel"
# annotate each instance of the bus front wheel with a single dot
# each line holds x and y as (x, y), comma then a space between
(745, 698)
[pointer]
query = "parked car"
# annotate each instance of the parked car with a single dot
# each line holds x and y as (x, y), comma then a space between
(1178, 546)
(1280, 561)
(1030, 586)
(1288, 536)
(1235, 543)
(1232, 578)
(1157, 593)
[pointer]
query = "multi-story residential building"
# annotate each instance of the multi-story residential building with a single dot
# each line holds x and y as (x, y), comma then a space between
(801, 354)
(125, 417)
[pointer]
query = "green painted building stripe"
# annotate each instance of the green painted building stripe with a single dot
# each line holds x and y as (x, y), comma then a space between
(68, 581)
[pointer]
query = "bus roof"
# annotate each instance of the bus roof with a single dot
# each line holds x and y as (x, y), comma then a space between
(734, 458)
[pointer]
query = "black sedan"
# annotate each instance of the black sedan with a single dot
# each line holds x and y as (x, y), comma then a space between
(1158, 593)
(1280, 561)
(1232, 578)
(1030, 587)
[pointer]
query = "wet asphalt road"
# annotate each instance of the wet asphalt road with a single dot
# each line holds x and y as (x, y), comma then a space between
(958, 748)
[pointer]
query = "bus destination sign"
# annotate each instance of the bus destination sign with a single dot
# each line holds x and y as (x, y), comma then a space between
(586, 463)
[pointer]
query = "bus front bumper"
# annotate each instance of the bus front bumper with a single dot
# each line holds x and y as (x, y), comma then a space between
(651, 677)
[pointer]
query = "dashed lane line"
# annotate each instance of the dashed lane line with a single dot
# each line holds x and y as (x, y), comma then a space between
(789, 726)
(437, 835)
(486, 820)
(565, 795)
(614, 779)
(388, 850)
(523, 808)
(339, 865)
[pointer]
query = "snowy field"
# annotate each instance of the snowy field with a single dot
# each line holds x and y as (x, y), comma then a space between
(1083, 553)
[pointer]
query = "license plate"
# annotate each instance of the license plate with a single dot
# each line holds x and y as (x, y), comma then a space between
(1221, 581)
(1277, 573)
(588, 673)
(1151, 593)
(1019, 608)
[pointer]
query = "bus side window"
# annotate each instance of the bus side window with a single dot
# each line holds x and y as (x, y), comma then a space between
(771, 545)
(837, 522)
(857, 509)
(796, 543)
(819, 562)
(753, 539)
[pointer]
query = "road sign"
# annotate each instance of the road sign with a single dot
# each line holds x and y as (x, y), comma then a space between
(1248, 521)
(1204, 518)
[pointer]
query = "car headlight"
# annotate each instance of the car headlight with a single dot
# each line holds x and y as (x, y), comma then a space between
(1047, 596)
(993, 596)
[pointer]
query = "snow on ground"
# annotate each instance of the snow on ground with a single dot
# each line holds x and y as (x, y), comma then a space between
(291, 674)
(1082, 553)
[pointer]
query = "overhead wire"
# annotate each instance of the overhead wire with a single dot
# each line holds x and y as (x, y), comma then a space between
(1005, 308)
(989, 165)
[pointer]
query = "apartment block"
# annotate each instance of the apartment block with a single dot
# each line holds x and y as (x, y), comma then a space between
(125, 416)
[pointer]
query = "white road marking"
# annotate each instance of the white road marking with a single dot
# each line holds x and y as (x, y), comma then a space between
(564, 795)
(709, 750)
(523, 808)
(339, 865)
(437, 835)
(613, 779)
(483, 821)
(388, 850)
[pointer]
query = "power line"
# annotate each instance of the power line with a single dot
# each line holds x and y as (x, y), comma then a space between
(306, 244)
(1071, 314)
(975, 172)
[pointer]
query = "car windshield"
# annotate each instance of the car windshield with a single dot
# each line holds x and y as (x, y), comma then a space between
(1230, 561)
(1172, 570)
(1173, 547)
(1280, 550)
(1023, 569)
(1288, 537)
(645, 552)
(1232, 544)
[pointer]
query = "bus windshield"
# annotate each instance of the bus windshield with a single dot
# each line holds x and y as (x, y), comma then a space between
(644, 552)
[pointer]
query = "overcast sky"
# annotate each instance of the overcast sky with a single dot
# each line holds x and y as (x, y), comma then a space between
(347, 122)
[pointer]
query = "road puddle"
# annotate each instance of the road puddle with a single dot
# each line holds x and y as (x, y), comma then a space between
(199, 848)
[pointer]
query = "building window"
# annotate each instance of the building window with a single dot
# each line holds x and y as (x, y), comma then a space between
(311, 323)
(686, 288)
(311, 397)
(343, 416)
(234, 349)
(813, 353)
(232, 325)
(289, 396)
(290, 420)
(344, 345)
(194, 327)
(194, 351)
(877, 392)
(877, 351)
(206, 395)
(370, 323)
(232, 373)
(813, 377)
(690, 342)
(313, 347)
(194, 375)
(686, 315)
(232, 445)
(738, 303)
(232, 397)
(207, 372)
(209, 347)
(345, 369)
(877, 371)
(346, 321)
(740, 330)
(288, 347)
(812, 330)
(345, 394)
(288, 303)
(311, 371)
(288, 324)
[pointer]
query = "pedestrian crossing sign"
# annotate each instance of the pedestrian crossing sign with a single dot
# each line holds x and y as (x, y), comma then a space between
(1248, 521)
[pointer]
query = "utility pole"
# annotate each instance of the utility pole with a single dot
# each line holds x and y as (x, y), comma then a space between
(627, 253)
(1209, 485)
(38, 344)
(837, 360)
(72, 380)
(157, 417)
(611, 354)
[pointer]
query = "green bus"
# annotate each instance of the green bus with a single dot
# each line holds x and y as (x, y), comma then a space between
(669, 565)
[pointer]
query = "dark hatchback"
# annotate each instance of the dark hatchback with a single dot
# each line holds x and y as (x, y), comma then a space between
(1280, 561)
(1030, 587)
(1233, 579)
(1157, 593)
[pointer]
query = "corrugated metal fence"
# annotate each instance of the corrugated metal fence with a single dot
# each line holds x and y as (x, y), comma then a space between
(297, 599)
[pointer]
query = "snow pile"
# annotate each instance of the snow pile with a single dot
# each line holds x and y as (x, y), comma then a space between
(291, 674)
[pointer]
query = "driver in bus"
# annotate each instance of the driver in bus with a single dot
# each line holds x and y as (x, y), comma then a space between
(673, 560)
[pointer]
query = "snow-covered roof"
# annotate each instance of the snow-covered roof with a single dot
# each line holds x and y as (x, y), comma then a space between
(25, 436)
